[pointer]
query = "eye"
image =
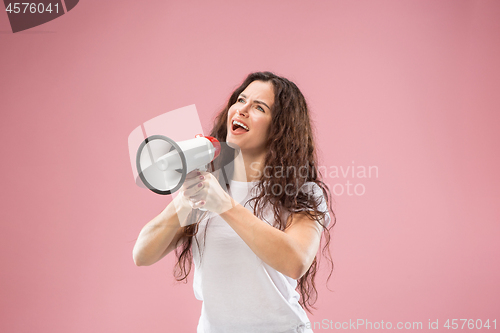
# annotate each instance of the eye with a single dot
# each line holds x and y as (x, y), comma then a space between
(241, 100)
(260, 108)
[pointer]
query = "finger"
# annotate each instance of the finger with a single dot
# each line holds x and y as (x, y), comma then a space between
(193, 174)
(198, 204)
(193, 181)
(194, 189)
(197, 197)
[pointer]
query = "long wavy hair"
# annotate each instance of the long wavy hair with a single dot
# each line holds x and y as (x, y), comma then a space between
(292, 156)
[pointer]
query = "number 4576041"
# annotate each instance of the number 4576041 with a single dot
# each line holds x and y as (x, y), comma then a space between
(470, 324)
(32, 8)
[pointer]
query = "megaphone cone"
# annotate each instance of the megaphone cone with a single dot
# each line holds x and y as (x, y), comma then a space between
(162, 163)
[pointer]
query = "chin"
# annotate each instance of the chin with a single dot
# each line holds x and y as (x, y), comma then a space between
(230, 140)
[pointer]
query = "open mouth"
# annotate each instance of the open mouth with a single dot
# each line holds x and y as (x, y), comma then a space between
(239, 127)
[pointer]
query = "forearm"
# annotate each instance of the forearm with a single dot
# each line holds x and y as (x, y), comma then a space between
(276, 248)
(157, 235)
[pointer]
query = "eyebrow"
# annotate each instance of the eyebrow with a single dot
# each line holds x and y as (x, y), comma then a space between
(257, 101)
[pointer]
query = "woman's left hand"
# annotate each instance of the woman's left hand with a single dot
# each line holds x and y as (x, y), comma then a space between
(211, 196)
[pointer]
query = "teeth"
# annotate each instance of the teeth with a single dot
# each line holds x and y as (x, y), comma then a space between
(241, 124)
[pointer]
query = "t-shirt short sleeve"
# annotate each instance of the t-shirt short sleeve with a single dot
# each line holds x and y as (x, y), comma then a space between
(313, 189)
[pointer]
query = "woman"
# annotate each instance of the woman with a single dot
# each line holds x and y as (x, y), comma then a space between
(257, 235)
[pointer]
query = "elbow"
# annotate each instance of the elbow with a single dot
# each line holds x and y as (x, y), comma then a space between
(298, 270)
(139, 260)
(297, 273)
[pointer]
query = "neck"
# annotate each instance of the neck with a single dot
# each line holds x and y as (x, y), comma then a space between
(248, 167)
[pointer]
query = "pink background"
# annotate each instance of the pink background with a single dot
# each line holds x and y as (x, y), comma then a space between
(408, 86)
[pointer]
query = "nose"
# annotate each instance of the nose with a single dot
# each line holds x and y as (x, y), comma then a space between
(243, 112)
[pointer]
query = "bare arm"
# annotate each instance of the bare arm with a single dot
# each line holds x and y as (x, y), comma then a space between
(158, 237)
(290, 252)
(162, 234)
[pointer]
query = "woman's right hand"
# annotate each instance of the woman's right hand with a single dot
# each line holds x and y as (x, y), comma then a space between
(188, 195)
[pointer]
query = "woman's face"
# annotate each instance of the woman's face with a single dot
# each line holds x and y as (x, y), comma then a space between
(250, 117)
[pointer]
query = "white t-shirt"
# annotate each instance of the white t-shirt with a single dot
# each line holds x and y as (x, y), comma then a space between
(241, 293)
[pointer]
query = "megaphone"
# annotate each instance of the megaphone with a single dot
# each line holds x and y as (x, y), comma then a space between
(162, 163)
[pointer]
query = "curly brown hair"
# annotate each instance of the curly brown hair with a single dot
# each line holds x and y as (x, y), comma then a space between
(290, 146)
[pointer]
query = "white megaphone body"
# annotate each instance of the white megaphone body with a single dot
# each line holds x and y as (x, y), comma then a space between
(162, 163)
